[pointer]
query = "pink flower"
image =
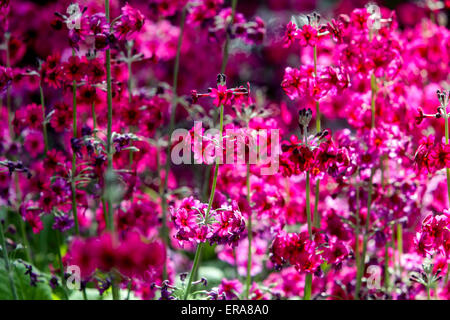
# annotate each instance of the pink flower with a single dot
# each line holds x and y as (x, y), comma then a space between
(34, 143)
(132, 256)
(440, 157)
(434, 236)
(131, 21)
(74, 69)
(292, 82)
(291, 34)
(221, 95)
(223, 225)
(336, 253)
(31, 216)
(307, 36)
(185, 219)
(6, 78)
(359, 18)
(296, 249)
(230, 288)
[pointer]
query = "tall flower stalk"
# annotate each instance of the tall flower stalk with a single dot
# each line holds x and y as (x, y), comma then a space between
(443, 99)
(163, 190)
(248, 281)
(94, 117)
(129, 46)
(303, 120)
(74, 156)
(200, 247)
(318, 128)
(216, 168)
(110, 221)
(357, 219)
(361, 266)
(308, 278)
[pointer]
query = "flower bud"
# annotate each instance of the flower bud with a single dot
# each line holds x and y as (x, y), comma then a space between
(443, 97)
(304, 117)
(221, 79)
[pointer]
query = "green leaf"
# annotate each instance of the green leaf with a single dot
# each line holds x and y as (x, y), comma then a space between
(42, 290)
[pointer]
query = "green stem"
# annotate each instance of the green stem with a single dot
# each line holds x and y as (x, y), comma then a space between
(446, 142)
(26, 243)
(373, 83)
(318, 128)
(114, 288)
(61, 265)
(447, 170)
(44, 124)
(386, 247)
(308, 205)
(198, 253)
(361, 266)
(318, 124)
(250, 235)
(163, 190)
(308, 286)
(222, 70)
(316, 205)
(130, 88)
(392, 244)
(386, 266)
(129, 291)
(308, 278)
(400, 245)
(7, 264)
(211, 199)
(357, 256)
(94, 117)
(216, 169)
(110, 222)
(74, 157)
(130, 72)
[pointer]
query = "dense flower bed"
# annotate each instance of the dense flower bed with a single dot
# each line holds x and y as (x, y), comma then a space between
(117, 121)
